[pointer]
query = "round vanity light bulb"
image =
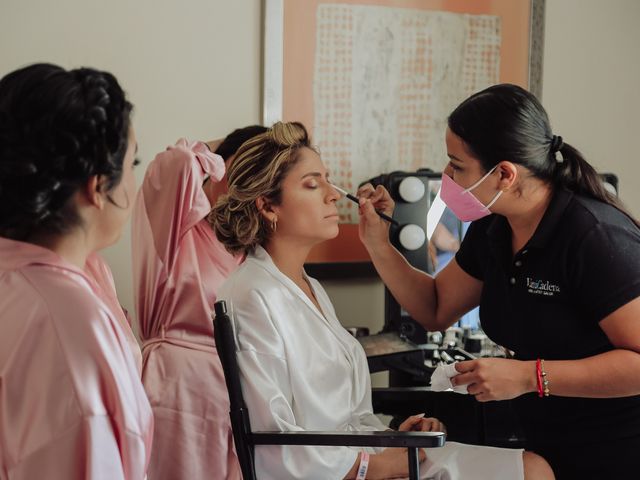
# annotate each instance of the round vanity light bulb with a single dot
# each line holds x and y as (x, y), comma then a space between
(412, 237)
(411, 189)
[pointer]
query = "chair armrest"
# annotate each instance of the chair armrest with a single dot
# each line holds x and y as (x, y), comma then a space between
(386, 438)
(413, 391)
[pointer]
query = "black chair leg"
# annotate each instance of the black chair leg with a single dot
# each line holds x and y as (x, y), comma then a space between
(414, 464)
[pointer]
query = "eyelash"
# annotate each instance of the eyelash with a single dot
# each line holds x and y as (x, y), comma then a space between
(136, 162)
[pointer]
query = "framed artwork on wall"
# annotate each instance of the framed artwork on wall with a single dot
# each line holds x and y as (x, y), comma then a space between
(374, 81)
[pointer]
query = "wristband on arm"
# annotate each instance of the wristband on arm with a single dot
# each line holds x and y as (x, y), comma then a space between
(363, 467)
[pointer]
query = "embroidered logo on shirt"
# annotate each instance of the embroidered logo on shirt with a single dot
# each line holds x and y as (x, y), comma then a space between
(542, 287)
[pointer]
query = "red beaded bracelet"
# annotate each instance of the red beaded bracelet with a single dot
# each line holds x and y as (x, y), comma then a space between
(539, 378)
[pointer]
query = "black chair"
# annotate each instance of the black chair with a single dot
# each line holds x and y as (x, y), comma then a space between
(246, 440)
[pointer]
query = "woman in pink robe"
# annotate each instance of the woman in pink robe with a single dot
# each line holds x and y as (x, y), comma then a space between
(178, 266)
(71, 402)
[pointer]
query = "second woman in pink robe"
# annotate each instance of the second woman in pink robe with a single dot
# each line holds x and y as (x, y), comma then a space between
(178, 266)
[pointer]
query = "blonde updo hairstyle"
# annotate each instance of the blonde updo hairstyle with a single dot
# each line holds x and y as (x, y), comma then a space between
(258, 170)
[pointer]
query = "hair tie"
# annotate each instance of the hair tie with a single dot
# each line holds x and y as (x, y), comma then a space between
(556, 143)
(556, 146)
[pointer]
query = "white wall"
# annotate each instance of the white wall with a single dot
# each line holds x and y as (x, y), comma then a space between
(194, 70)
(191, 68)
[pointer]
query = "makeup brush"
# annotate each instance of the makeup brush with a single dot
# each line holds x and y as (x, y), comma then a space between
(353, 198)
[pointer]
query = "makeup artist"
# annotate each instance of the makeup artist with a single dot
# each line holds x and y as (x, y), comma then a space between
(553, 260)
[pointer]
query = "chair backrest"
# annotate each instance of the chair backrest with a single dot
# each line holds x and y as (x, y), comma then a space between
(225, 344)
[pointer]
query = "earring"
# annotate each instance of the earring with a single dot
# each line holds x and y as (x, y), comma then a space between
(274, 224)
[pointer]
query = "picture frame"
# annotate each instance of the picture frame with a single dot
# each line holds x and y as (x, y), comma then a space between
(290, 45)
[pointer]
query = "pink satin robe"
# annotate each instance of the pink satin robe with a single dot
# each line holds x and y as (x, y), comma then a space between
(99, 271)
(178, 266)
(71, 402)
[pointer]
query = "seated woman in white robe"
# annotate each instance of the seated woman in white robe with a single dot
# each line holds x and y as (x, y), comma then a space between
(300, 369)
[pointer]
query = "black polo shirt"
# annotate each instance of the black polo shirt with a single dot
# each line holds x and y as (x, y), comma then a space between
(581, 264)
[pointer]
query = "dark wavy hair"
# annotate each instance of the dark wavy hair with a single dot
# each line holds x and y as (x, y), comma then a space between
(235, 139)
(58, 128)
(506, 122)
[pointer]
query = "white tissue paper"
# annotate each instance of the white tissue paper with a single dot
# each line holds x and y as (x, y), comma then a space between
(441, 379)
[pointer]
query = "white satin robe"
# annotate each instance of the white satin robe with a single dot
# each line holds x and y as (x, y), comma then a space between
(178, 265)
(301, 370)
(71, 402)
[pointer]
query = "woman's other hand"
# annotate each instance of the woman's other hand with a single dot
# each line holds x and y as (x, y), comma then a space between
(496, 378)
(418, 423)
(394, 462)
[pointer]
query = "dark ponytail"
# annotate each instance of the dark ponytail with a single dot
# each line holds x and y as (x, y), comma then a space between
(506, 122)
(574, 173)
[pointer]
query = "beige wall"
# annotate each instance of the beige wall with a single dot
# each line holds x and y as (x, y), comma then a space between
(591, 84)
(194, 70)
(191, 68)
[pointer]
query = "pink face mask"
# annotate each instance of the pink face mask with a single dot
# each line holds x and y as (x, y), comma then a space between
(462, 202)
